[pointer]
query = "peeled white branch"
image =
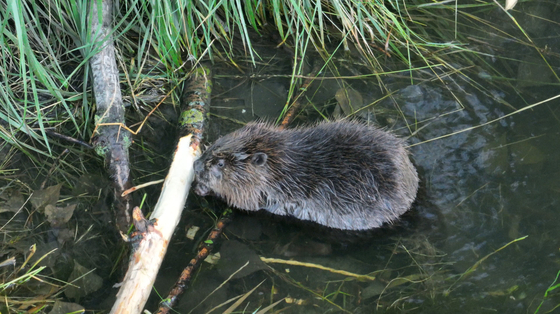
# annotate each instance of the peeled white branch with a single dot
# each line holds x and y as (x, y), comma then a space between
(146, 259)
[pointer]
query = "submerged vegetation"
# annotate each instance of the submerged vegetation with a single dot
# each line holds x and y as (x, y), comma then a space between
(54, 196)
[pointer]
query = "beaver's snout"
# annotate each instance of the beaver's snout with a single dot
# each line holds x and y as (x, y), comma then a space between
(201, 189)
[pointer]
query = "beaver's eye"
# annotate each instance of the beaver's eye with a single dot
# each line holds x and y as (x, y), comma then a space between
(221, 163)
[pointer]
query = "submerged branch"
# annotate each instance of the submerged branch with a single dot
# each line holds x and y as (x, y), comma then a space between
(206, 247)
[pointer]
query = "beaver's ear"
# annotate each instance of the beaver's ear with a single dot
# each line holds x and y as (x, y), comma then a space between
(259, 159)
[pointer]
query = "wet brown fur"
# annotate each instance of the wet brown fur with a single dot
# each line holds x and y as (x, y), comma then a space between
(343, 174)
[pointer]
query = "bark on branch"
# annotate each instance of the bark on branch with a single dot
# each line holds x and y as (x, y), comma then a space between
(195, 103)
(110, 140)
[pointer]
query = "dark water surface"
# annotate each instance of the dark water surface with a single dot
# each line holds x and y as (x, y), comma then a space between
(484, 234)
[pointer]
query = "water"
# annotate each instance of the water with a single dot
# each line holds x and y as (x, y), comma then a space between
(484, 234)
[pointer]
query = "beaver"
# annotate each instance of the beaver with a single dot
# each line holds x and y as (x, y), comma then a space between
(343, 174)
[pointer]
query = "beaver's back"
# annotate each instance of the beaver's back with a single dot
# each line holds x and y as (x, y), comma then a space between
(342, 174)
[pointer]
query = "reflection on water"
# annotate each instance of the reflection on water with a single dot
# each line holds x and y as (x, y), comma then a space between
(490, 186)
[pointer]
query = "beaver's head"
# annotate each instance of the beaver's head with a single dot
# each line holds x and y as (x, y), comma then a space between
(235, 168)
